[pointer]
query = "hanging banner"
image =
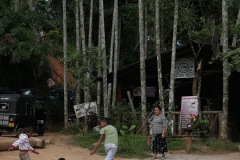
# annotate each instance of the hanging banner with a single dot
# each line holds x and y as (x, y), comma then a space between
(185, 68)
(189, 111)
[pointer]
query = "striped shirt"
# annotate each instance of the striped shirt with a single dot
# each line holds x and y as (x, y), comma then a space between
(158, 123)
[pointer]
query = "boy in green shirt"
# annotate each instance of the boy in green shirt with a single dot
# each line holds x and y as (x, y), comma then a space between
(109, 134)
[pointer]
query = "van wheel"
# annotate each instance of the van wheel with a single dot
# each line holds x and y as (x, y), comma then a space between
(0, 133)
(19, 131)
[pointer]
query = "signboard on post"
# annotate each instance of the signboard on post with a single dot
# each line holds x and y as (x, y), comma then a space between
(185, 68)
(189, 111)
(85, 108)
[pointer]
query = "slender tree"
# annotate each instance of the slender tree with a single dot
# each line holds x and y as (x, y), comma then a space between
(110, 67)
(172, 74)
(31, 5)
(65, 63)
(104, 58)
(226, 72)
(158, 48)
(77, 88)
(116, 53)
(234, 42)
(99, 83)
(16, 5)
(146, 29)
(142, 64)
(90, 24)
(87, 96)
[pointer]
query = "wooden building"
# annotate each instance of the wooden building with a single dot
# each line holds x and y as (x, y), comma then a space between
(211, 83)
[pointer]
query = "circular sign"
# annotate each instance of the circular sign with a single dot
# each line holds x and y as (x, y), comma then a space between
(184, 68)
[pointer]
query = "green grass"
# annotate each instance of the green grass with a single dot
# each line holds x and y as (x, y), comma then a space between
(214, 145)
(129, 147)
(135, 146)
(221, 145)
(176, 143)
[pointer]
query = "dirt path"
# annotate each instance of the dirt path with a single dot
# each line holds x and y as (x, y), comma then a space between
(59, 147)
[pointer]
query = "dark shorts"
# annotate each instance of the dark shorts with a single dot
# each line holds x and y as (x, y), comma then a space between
(159, 144)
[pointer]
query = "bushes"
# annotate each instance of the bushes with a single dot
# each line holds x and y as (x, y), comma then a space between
(72, 128)
(136, 145)
(122, 115)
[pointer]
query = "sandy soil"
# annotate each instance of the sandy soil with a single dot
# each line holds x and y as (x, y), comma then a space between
(60, 146)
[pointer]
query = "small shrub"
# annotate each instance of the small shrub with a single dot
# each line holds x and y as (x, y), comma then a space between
(199, 124)
(72, 128)
(126, 132)
(123, 115)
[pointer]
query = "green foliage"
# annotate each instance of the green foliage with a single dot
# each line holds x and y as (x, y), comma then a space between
(122, 115)
(90, 65)
(200, 125)
(126, 132)
(72, 128)
(22, 31)
(140, 149)
(137, 149)
(234, 59)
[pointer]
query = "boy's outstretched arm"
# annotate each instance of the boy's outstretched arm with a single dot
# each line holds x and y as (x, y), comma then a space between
(34, 151)
(102, 136)
(15, 144)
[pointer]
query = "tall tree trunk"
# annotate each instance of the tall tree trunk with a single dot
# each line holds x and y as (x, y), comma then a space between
(99, 83)
(65, 63)
(87, 96)
(197, 83)
(173, 59)
(158, 52)
(77, 88)
(16, 5)
(146, 30)
(224, 123)
(142, 65)
(110, 67)
(162, 30)
(31, 5)
(104, 58)
(90, 24)
(116, 53)
(234, 42)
